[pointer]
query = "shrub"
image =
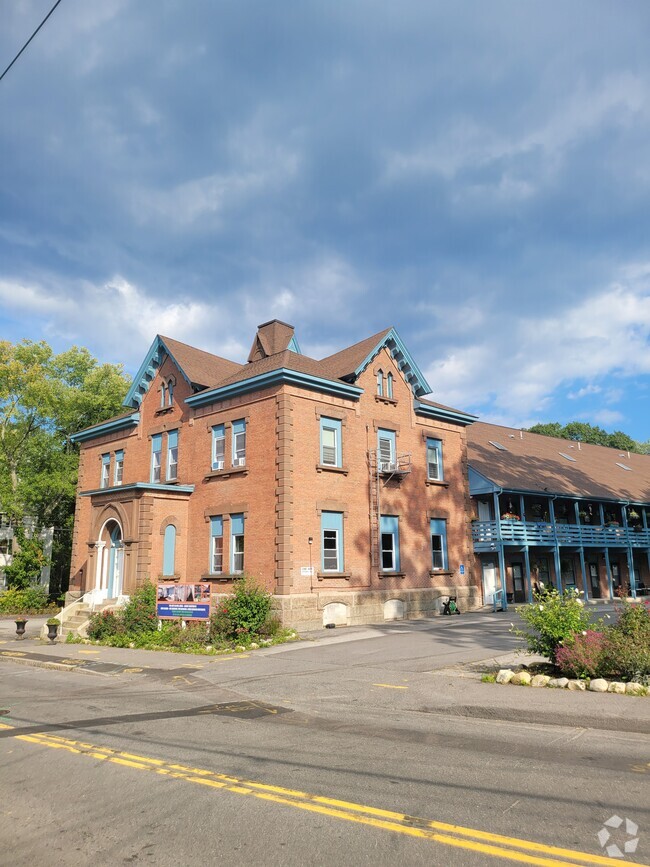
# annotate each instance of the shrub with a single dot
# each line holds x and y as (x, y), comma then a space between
(249, 607)
(626, 653)
(140, 611)
(29, 600)
(582, 656)
(106, 624)
(552, 619)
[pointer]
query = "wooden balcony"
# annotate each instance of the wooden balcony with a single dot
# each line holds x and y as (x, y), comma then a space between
(488, 534)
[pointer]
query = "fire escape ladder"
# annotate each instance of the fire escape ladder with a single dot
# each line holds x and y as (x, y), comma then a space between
(374, 492)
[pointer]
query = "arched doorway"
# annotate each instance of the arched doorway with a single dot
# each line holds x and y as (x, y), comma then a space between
(109, 572)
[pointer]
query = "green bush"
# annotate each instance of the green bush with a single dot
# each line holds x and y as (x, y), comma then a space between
(140, 611)
(30, 600)
(552, 619)
(626, 653)
(243, 615)
(583, 655)
(26, 564)
(106, 624)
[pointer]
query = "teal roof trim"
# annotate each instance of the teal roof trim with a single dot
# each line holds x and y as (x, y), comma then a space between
(274, 377)
(106, 427)
(142, 486)
(147, 372)
(294, 347)
(443, 414)
(414, 376)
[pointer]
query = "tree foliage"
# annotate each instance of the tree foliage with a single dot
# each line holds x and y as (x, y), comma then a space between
(582, 432)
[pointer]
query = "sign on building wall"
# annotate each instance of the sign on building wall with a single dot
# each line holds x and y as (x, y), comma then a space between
(188, 601)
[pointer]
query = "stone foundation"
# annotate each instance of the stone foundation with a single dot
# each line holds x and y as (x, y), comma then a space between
(307, 611)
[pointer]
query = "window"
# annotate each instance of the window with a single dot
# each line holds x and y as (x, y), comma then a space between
(330, 442)
(163, 395)
(5, 547)
(439, 544)
(389, 385)
(434, 460)
(332, 535)
(237, 543)
(156, 455)
(386, 450)
(169, 550)
(106, 471)
(170, 392)
(218, 447)
(389, 527)
(172, 455)
(216, 547)
(380, 382)
(239, 443)
(119, 467)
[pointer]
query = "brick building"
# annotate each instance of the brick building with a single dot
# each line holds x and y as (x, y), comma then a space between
(335, 483)
(559, 512)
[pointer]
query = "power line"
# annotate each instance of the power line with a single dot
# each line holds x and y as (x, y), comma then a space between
(30, 39)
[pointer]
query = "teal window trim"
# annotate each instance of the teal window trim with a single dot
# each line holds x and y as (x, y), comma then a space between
(218, 447)
(389, 534)
(439, 557)
(435, 471)
(172, 456)
(169, 550)
(330, 442)
(216, 545)
(237, 544)
(332, 549)
(118, 474)
(106, 471)
(386, 448)
(239, 442)
(156, 458)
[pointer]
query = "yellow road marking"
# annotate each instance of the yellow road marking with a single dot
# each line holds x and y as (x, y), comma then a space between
(12, 653)
(390, 686)
(131, 670)
(88, 651)
(471, 839)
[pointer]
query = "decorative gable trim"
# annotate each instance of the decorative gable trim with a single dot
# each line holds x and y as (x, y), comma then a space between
(402, 357)
(107, 427)
(147, 372)
(442, 414)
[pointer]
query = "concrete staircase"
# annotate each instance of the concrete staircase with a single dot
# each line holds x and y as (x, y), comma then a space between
(74, 618)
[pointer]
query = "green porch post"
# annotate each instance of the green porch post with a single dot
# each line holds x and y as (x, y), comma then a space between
(582, 553)
(556, 547)
(630, 554)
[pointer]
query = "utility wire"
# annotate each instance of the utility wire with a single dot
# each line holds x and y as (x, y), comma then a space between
(30, 39)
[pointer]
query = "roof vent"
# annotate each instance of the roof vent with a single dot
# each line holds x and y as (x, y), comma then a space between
(498, 446)
(624, 467)
(568, 457)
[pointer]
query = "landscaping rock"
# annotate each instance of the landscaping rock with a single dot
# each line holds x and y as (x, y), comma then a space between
(576, 685)
(598, 684)
(634, 688)
(616, 686)
(558, 682)
(505, 675)
(540, 680)
(521, 678)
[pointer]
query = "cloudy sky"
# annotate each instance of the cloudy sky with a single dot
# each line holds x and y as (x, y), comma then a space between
(476, 174)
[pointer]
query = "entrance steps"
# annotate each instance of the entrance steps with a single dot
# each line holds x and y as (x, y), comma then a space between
(74, 618)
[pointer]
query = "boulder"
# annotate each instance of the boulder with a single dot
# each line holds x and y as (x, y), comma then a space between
(576, 685)
(616, 686)
(521, 678)
(598, 684)
(540, 680)
(505, 675)
(634, 688)
(558, 682)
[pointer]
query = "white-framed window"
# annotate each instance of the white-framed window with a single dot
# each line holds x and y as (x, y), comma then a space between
(106, 471)
(439, 544)
(156, 457)
(218, 447)
(332, 539)
(389, 385)
(118, 474)
(434, 460)
(216, 545)
(172, 456)
(389, 532)
(236, 544)
(380, 382)
(239, 443)
(386, 450)
(330, 442)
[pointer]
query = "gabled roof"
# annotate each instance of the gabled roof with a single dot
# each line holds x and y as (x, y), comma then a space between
(517, 460)
(201, 369)
(351, 362)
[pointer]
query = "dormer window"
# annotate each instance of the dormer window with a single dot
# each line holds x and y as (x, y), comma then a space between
(380, 382)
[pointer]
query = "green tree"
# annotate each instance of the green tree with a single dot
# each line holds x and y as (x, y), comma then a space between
(582, 432)
(27, 562)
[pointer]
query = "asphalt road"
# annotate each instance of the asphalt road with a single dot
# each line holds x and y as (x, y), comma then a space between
(368, 746)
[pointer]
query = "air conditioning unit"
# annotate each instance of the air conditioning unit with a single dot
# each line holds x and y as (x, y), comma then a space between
(217, 465)
(239, 462)
(387, 467)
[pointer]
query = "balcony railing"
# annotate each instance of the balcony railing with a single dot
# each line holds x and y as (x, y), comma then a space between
(486, 534)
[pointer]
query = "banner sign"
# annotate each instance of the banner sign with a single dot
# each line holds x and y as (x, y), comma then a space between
(188, 601)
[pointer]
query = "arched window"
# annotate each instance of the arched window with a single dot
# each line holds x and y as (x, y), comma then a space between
(169, 550)
(170, 392)
(380, 382)
(163, 394)
(389, 385)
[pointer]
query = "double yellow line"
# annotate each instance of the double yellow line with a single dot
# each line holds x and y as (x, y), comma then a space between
(471, 839)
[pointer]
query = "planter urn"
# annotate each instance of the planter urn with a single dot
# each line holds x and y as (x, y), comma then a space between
(20, 627)
(52, 631)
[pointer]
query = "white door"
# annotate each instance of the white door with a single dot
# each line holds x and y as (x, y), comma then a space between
(489, 581)
(484, 511)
